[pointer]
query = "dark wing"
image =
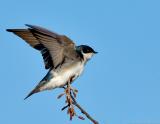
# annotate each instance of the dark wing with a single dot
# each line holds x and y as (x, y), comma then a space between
(54, 47)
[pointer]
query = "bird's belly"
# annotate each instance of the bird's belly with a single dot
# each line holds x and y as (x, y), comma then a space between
(62, 77)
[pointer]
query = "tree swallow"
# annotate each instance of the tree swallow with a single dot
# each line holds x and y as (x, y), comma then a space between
(64, 60)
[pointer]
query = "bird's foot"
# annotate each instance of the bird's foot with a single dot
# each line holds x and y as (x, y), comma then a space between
(68, 90)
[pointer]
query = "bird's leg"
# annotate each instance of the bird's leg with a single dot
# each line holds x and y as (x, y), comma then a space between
(68, 89)
(72, 89)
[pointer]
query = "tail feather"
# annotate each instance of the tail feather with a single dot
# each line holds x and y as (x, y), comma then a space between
(32, 92)
(39, 87)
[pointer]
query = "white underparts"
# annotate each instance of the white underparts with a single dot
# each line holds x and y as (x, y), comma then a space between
(61, 77)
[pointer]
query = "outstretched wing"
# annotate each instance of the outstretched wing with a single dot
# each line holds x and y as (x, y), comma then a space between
(54, 47)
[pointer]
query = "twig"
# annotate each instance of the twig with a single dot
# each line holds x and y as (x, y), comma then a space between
(71, 102)
(83, 111)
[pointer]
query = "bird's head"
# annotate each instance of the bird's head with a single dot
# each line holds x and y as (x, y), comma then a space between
(86, 51)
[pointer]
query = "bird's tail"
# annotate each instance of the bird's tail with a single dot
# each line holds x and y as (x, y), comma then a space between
(42, 83)
(36, 90)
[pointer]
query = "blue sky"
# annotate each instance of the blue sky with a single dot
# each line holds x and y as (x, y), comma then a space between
(120, 85)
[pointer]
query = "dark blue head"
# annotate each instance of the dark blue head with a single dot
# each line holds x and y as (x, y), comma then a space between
(85, 49)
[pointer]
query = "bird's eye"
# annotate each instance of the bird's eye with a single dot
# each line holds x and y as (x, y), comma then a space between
(85, 50)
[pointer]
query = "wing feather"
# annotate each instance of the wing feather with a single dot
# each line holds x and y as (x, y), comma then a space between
(54, 47)
(26, 35)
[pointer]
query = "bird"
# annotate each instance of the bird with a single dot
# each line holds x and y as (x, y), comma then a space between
(64, 60)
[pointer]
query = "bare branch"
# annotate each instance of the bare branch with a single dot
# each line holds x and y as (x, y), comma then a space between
(71, 102)
(83, 111)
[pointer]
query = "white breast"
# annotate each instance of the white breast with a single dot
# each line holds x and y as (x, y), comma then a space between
(61, 77)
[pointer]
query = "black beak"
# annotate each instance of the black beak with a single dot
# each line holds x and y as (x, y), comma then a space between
(95, 52)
